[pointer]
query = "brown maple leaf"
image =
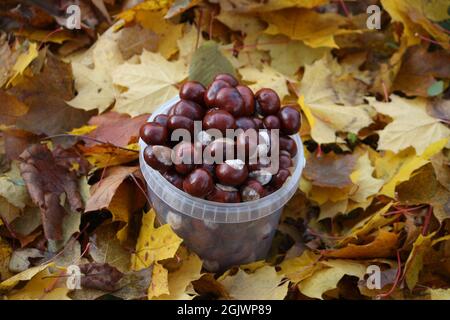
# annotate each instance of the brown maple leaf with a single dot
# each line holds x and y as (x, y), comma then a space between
(116, 128)
(47, 179)
(330, 170)
(100, 276)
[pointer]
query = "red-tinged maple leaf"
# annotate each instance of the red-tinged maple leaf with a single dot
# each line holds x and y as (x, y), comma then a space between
(47, 179)
(116, 128)
(100, 276)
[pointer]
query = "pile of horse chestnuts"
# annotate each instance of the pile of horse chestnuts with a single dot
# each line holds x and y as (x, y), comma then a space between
(224, 104)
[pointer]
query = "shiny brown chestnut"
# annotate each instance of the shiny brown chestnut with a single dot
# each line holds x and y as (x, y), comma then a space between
(249, 100)
(158, 157)
(290, 120)
(229, 99)
(184, 157)
(212, 90)
(245, 123)
(223, 196)
(280, 178)
(259, 123)
(221, 149)
(180, 122)
(219, 119)
(174, 178)
(188, 109)
(288, 144)
(271, 122)
(230, 174)
(161, 119)
(193, 91)
(227, 78)
(268, 100)
(252, 190)
(154, 133)
(198, 183)
(285, 161)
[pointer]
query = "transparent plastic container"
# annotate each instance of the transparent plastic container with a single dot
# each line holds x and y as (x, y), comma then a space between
(222, 234)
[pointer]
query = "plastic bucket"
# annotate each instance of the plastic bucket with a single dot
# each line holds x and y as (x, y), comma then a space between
(222, 234)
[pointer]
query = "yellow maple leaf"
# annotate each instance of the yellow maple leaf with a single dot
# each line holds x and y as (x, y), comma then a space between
(413, 15)
(94, 83)
(10, 283)
(179, 281)
(160, 282)
(149, 84)
(316, 29)
(414, 263)
(42, 287)
(263, 284)
(411, 125)
(287, 56)
(168, 33)
(362, 177)
(383, 246)
(321, 109)
(396, 168)
(265, 78)
(327, 278)
(299, 268)
(147, 5)
(368, 225)
(154, 244)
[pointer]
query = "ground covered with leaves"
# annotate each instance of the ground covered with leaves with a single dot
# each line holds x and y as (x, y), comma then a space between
(376, 115)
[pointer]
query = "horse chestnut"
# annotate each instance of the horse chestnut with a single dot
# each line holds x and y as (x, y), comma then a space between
(194, 91)
(271, 122)
(188, 109)
(288, 144)
(232, 172)
(158, 157)
(252, 190)
(249, 100)
(198, 183)
(223, 196)
(229, 99)
(227, 78)
(290, 120)
(268, 100)
(154, 133)
(184, 157)
(161, 119)
(280, 178)
(180, 122)
(212, 90)
(219, 119)
(174, 178)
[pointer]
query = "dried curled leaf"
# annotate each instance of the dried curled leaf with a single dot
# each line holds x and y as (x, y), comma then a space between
(47, 180)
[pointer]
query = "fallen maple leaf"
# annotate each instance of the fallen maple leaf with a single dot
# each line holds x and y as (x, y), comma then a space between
(45, 94)
(149, 84)
(100, 276)
(115, 128)
(47, 181)
(154, 244)
(318, 102)
(327, 278)
(94, 85)
(263, 284)
(12, 108)
(179, 282)
(330, 170)
(420, 69)
(104, 190)
(383, 246)
(267, 77)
